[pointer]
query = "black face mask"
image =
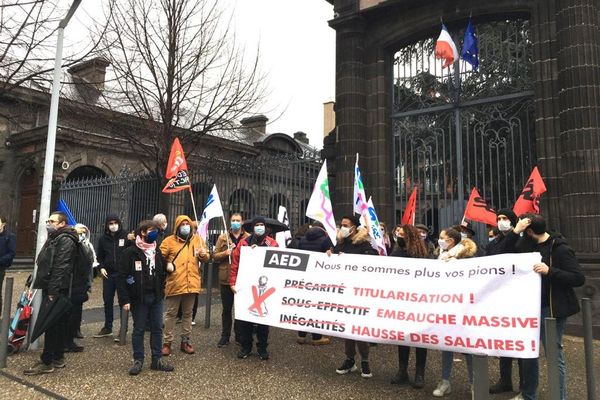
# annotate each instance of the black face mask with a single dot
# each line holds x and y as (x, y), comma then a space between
(401, 242)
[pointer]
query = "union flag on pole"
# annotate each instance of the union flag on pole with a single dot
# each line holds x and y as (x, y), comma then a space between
(529, 200)
(177, 170)
(479, 210)
(408, 218)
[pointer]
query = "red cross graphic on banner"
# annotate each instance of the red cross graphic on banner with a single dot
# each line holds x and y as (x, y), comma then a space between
(258, 300)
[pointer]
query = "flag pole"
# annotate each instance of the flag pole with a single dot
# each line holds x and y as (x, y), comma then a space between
(194, 206)
(227, 236)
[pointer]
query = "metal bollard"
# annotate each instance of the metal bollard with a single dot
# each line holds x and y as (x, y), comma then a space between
(209, 278)
(7, 305)
(123, 327)
(588, 345)
(481, 379)
(552, 359)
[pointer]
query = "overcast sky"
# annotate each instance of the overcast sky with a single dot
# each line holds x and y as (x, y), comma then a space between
(297, 53)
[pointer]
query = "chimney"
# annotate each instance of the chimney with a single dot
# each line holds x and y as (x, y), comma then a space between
(258, 123)
(89, 77)
(301, 137)
(328, 117)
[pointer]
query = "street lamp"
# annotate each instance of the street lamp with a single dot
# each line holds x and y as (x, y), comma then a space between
(49, 158)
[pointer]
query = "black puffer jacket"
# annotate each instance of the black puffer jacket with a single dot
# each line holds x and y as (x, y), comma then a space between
(316, 239)
(55, 261)
(360, 243)
(132, 284)
(111, 246)
(504, 243)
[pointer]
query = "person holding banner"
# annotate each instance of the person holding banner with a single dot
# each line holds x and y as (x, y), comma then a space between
(226, 243)
(560, 273)
(259, 237)
(409, 244)
(353, 240)
(453, 246)
(182, 251)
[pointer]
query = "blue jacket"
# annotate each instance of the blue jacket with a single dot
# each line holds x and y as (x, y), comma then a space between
(8, 248)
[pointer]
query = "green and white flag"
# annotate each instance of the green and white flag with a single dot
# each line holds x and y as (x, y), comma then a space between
(319, 206)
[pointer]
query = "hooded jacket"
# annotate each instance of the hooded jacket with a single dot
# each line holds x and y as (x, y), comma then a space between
(111, 246)
(265, 241)
(184, 254)
(220, 254)
(316, 239)
(359, 243)
(55, 261)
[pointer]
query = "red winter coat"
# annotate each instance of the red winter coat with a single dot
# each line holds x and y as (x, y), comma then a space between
(235, 257)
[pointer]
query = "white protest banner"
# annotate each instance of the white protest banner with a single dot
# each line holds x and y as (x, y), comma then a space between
(486, 305)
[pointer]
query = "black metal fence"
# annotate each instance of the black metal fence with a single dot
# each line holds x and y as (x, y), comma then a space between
(256, 186)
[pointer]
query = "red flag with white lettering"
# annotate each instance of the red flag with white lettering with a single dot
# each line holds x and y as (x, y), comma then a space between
(408, 218)
(529, 200)
(177, 170)
(479, 210)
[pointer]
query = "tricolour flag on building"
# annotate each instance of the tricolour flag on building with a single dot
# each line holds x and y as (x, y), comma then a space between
(212, 209)
(176, 170)
(375, 230)
(319, 206)
(445, 48)
(410, 211)
(529, 200)
(282, 238)
(479, 210)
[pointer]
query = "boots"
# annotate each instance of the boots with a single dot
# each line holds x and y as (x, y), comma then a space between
(401, 378)
(419, 381)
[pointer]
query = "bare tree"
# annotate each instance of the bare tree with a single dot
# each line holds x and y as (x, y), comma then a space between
(179, 69)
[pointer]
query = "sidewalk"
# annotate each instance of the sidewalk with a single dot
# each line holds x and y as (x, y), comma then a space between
(293, 372)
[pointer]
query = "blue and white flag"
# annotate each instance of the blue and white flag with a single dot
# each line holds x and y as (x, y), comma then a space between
(470, 51)
(212, 209)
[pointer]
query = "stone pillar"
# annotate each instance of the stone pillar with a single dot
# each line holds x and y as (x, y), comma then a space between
(578, 58)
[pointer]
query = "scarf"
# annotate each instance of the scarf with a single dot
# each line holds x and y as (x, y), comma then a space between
(149, 250)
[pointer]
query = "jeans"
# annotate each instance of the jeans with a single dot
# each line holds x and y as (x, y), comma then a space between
(531, 366)
(420, 355)
(150, 308)
(54, 338)
(227, 313)
(262, 335)
(448, 360)
(109, 288)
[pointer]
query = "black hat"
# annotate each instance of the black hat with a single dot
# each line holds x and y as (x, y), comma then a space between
(468, 226)
(510, 214)
(423, 227)
(258, 220)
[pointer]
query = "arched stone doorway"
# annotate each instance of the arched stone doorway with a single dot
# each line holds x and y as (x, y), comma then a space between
(26, 223)
(85, 172)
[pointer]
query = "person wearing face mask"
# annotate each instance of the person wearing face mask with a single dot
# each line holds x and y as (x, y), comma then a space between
(424, 235)
(388, 238)
(506, 242)
(226, 243)
(109, 251)
(183, 251)
(161, 223)
(53, 278)
(466, 232)
(560, 272)
(141, 285)
(258, 237)
(453, 246)
(8, 250)
(353, 240)
(410, 244)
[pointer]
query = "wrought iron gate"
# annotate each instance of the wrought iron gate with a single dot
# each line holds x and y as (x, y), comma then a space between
(455, 128)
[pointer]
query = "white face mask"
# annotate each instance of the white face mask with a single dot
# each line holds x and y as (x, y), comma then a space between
(491, 239)
(464, 235)
(443, 244)
(345, 231)
(504, 225)
(423, 235)
(113, 227)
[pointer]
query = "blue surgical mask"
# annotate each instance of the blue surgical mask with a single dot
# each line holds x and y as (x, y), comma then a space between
(151, 237)
(184, 230)
(236, 225)
(259, 230)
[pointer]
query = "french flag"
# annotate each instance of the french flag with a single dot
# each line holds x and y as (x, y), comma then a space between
(445, 48)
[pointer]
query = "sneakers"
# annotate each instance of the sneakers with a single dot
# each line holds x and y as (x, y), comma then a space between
(136, 368)
(39, 368)
(73, 348)
(443, 388)
(103, 332)
(160, 365)
(244, 353)
(166, 349)
(401, 378)
(518, 397)
(193, 323)
(321, 342)
(60, 363)
(365, 370)
(501, 387)
(224, 341)
(187, 348)
(263, 354)
(347, 366)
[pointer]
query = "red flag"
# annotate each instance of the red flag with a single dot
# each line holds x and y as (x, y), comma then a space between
(479, 210)
(177, 170)
(408, 218)
(529, 200)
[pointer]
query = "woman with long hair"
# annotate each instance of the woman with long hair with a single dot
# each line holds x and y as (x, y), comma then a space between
(410, 244)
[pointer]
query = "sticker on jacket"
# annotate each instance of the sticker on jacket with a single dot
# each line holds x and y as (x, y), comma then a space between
(121, 242)
(138, 266)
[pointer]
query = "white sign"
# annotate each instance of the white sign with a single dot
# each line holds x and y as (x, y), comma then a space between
(486, 305)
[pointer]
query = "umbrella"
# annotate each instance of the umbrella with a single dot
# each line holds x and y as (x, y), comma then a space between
(271, 223)
(50, 312)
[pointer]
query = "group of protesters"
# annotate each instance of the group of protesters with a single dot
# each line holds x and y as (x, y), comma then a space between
(156, 275)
